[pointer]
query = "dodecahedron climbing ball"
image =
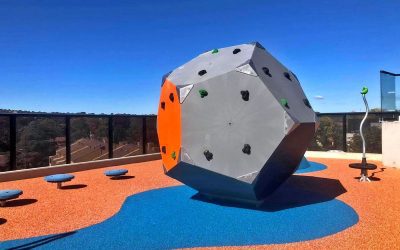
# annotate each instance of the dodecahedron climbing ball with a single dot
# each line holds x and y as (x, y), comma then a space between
(233, 123)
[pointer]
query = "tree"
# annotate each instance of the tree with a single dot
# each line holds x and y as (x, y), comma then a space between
(373, 140)
(328, 135)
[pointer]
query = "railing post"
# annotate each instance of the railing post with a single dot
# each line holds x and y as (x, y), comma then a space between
(144, 129)
(67, 139)
(344, 122)
(13, 142)
(110, 137)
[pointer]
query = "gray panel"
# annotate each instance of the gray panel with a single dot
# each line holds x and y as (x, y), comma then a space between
(281, 87)
(215, 64)
(222, 122)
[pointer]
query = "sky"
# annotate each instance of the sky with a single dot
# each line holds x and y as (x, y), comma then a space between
(109, 56)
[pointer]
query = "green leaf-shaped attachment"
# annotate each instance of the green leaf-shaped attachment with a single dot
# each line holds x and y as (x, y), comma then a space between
(364, 91)
(284, 102)
(173, 155)
(203, 93)
(214, 51)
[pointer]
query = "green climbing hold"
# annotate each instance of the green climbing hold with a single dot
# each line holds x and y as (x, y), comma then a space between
(214, 51)
(364, 91)
(203, 93)
(173, 155)
(284, 102)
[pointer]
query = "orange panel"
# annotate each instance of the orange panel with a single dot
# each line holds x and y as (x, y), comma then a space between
(169, 125)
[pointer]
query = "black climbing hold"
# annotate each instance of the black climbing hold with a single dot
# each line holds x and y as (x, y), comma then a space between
(246, 149)
(287, 75)
(307, 102)
(203, 93)
(164, 149)
(171, 97)
(245, 95)
(202, 72)
(266, 71)
(235, 51)
(208, 155)
(163, 105)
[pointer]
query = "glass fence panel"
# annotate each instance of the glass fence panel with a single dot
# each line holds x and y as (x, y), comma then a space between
(329, 135)
(4, 143)
(152, 145)
(89, 138)
(39, 141)
(372, 131)
(128, 136)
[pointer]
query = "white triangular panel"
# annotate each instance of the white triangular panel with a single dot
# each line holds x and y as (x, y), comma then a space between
(183, 92)
(246, 69)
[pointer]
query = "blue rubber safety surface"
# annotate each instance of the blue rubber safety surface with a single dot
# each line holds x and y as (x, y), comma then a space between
(59, 178)
(175, 217)
(10, 194)
(116, 172)
(314, 166)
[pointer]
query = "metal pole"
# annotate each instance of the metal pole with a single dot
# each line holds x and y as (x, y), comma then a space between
(13, 142)
(144, 134)
(362, 123)
(110, 137)
(344, 133)
(67, 139)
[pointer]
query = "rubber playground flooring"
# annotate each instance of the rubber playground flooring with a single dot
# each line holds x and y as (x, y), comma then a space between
(326, 209)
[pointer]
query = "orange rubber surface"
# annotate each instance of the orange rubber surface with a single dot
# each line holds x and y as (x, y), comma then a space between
(57, 211)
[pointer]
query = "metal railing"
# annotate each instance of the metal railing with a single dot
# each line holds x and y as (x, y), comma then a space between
(29, 140)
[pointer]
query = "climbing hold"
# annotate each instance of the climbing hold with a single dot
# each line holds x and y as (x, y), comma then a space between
(214, 51)
(235, 51)
(208, 155)
(266, 71)
(284, 102)
(307, 102)
(163, 105)
(364, 91)
(173, 155)
(245, 95)
(287, 75)
(164, 149)
(246, 149)
(203, 93)
(171, 97)
(202, 72)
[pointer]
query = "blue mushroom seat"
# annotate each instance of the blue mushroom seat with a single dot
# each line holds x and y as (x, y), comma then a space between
(8, 195)
(116, 172)
(59, 179)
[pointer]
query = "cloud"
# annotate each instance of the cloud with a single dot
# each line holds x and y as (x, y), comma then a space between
(319, 97)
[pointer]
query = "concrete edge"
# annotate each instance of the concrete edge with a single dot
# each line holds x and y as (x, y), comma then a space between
(74, 167)
(343, 155)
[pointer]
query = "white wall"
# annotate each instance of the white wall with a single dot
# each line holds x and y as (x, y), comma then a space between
(391, 144)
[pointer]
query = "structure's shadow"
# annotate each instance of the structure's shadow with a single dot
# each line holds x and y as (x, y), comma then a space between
(41, 241)
(123, 177)
(297, 191)
(20, 202)
(2, 221)
(75, 186)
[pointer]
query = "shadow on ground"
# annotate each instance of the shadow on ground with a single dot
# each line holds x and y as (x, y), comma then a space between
(372, 177)
(124, 177)
(75, 186)
(41, 241)
(2, 221)
(20, 202)
(297, 191)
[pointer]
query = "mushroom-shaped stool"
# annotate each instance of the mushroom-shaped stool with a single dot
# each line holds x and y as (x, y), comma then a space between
(59, 179)
(6, 195)
(116, 173)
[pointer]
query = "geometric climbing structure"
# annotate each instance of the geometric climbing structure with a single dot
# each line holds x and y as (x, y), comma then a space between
(233, 123)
